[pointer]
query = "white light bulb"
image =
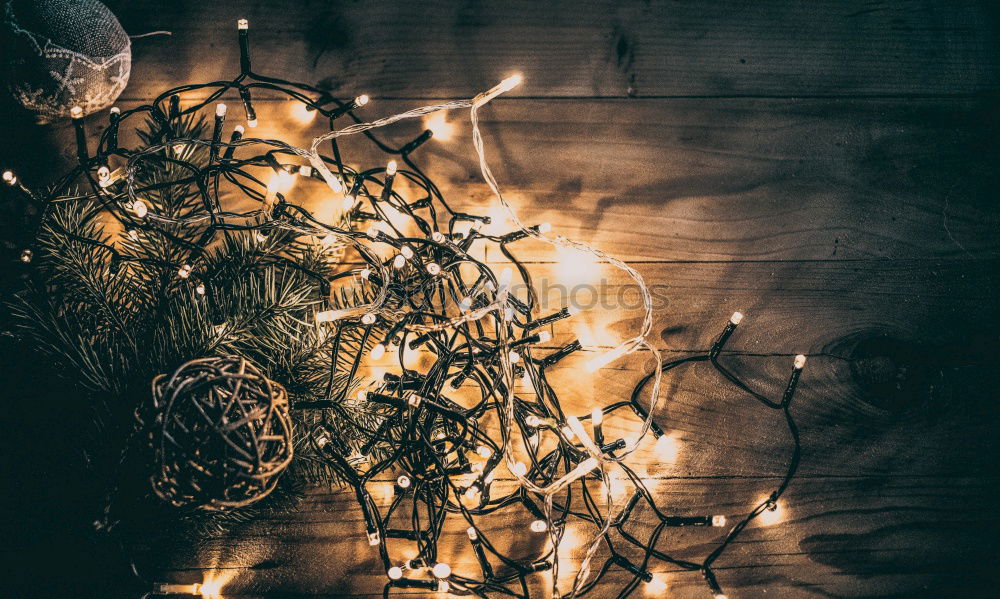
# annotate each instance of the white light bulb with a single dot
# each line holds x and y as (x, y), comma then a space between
(365, 273)
(465, 304)
(437, 236)
(390, 169)
(736, 318)
(252, 123)
(533, 421)
(443, 586)
(361, 100)
(484, 452)
(510, 82)
(800, 362)
(139, 207)
(242, 24)
(368, 318)
(260, 237)
(373, 538)
(103, 173)
(239, 129)
(362, 395)
(184, 271)
(514, 357)
(545, 227)
(399, 261)
(220, 109)
(519, 469)
(403, 481)
(568, 433)
(472, 533)
(441, 570)
(200, 289)
(9, 178)
(718, 521)
(302, 114)
(544, 337)
(506, 275)
(597, 417)
(395, 573)
(133, 234)
(306, 170)
(433, 268)
(348, 203)
(539, 526)
(406, 252)
(378, 351)
(604, 359)
(76, 112)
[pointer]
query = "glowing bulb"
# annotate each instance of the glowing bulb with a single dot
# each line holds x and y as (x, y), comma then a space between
(395, 573)
(514, 357)
(76, 112)
(365, 273)
(406, 252)
(242, 24)
(403, 481)
(361, 100)
(139, 207)
(26, 256)
(539, 526)
(439, 126)
(103, 173)
(133, 234)
(399, 261)
(544, 337)
(373, 538)
(772, 515)
(471, 531)
(484, 452)
(390, 169)
(252, 123)
(441, 570)
(302, 113)
(606, 358)
(597, 417)
(9, 178)
(667, 447)
(800, 362)
(433, 268)
(568, 433)
(306, 171)
(720, 596)
(239, 129)
(545, 228)
(378, 351)
(348, 203)
(184, 271)
(437, 236)
(736, 318)
(200, 289)
(260, 237)
(220, 109)
(328, 240)
(519, 469)
(443, 586)
(657, 586)
(465, 304)
(510, 82)
(718, 521)
(362, 395)
(368, 318)
(533, 421)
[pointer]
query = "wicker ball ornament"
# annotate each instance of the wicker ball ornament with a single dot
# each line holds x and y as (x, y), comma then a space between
(63, 53)
(220, 434)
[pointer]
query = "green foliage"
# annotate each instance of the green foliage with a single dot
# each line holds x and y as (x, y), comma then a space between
(109, 328)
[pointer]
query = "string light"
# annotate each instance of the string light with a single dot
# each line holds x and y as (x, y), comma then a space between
(473, 347)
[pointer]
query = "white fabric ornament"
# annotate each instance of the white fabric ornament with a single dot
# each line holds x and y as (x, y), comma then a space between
(64, 53)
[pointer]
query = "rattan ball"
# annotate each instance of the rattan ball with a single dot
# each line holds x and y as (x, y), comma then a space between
(220, 434)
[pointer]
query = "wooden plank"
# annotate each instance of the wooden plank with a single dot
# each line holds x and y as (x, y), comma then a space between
(580, 49)
(845, 537)
(711, 179)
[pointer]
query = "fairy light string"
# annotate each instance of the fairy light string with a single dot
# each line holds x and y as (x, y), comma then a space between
(431, 295)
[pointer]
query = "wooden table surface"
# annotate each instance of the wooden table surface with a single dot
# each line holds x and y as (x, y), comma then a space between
(829, 168)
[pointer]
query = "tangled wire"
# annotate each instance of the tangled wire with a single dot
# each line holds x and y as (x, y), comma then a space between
(478, 433)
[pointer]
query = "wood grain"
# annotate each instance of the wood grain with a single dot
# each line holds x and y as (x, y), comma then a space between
(581, 49)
